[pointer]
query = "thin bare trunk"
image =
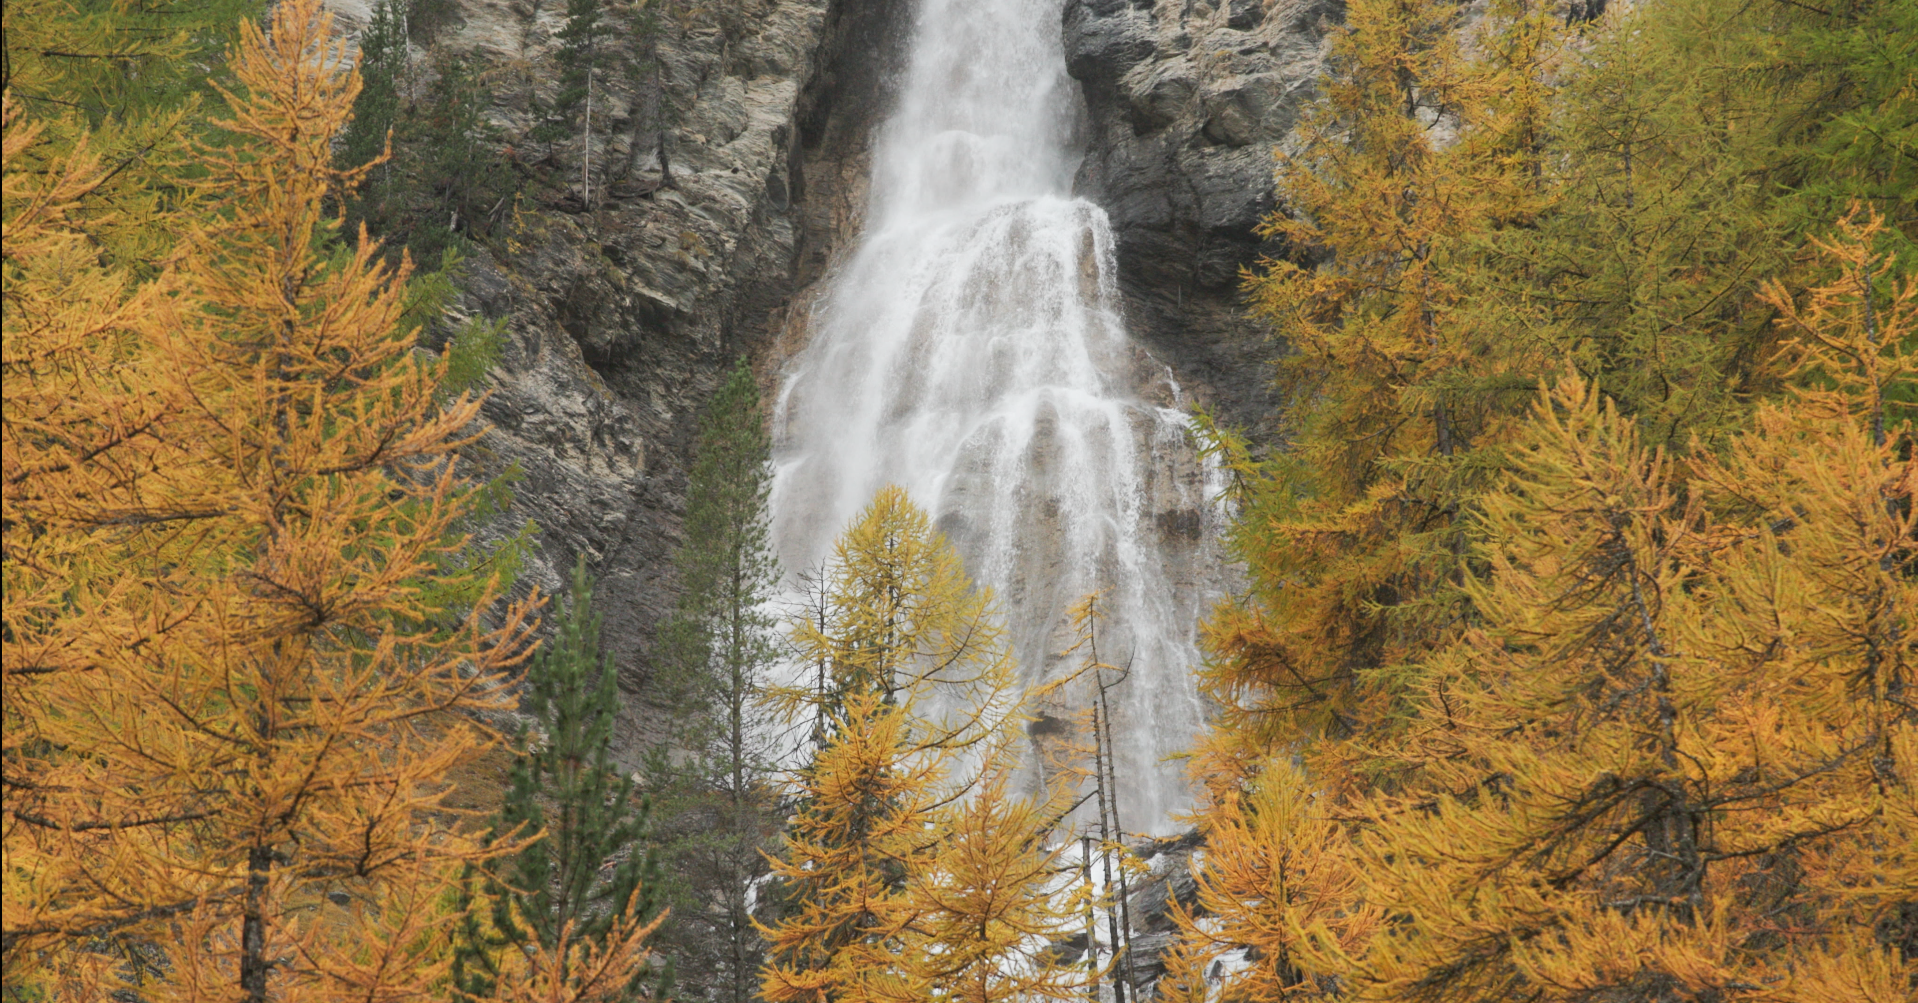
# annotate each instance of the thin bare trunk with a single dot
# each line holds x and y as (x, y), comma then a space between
(1105, 843)
(1124, 956)
(1092, 923)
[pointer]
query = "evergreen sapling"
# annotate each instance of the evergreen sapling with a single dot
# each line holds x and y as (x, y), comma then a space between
(589, 879)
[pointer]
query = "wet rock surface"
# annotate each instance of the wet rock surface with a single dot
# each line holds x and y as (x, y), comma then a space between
(1187, 102)
(1169, 883)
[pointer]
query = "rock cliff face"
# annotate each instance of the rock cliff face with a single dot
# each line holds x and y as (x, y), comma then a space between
(1187, 101)
(727, 156)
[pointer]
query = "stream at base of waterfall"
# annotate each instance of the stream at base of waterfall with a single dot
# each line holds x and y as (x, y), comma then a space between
(971, 349)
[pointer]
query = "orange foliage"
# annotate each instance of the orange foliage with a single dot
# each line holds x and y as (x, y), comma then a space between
(576, 969)
(1677, 755)
(230, 697)
(1278, 869)
(990, 903)
(1420, 148)
(901, 884)
(866, 822)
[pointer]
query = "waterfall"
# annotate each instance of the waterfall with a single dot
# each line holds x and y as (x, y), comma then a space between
(971, 350)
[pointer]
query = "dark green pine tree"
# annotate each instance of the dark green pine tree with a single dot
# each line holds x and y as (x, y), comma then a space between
(464, 185)
(446, 178)
(376, 110)
(583, 62)
(727, 575)
(591, 868)
(715, 651)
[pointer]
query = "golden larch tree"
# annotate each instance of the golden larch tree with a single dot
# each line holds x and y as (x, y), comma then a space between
(994, 902)
(1421, 146)
(867, 822)
(1676, 760)
(900, 881)
(1278, 868)
(898, 615)
(128, 82)
(230, 700)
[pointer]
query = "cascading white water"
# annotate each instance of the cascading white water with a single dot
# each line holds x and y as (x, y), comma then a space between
(971, 350)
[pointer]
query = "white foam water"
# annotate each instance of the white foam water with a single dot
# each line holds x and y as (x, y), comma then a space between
(971, 350)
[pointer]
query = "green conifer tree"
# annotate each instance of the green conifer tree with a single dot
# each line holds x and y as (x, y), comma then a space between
(583, 61)
(446, 179)
(589, 879)
(721, 637)
(376, 109)
(714, 654)
(454, 156)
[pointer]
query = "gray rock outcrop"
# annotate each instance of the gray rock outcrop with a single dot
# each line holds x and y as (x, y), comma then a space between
(1168, 883)
(1187, 100)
